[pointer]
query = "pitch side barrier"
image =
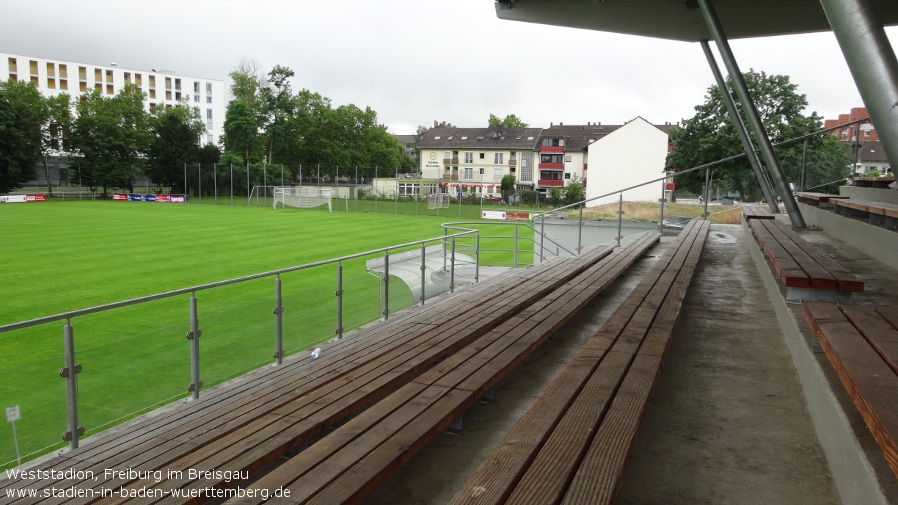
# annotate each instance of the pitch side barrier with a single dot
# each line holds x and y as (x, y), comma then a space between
(71, 369)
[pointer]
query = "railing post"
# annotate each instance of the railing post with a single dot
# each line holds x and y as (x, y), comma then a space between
(707, 191)
(516, 228)
(339, 294)
(423, 270)
(68, 373)
(661, 219)
(542, 236)
(477, 258)
(452, 269)
(386, 313)
(278, 322)
(620, 217)
(194, 336)
(445, 247)
(580, 232)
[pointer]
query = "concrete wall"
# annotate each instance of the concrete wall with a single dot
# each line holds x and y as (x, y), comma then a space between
(877, 242)
(872, 194)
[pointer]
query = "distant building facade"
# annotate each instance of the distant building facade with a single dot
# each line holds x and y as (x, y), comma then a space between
(54, 77)
(863, 131)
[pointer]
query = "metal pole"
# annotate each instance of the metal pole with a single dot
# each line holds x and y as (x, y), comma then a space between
(620, 217)
(247, 183)
(452, 269)
(194, 337)
(265, 180)
(232, 184)
(871, 59)
(386, 285)
(707, 191)
(68, 373)
(515, 246)
(423, 271)
(445, 247)
(185, 181)
(754, 119)
(278, 322)
(215, 182)
(542, 236)
(661, 219)
(477, 258)
(199, 181)
(736, 119)
(396, 197)
(339, 294)
(580, 232)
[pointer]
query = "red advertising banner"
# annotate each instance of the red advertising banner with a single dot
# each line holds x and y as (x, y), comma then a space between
(22, 198)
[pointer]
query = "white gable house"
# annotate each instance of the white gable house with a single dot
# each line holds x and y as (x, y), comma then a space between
(630, 155)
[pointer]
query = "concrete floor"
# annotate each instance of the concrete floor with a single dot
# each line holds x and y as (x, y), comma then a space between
(729, 422)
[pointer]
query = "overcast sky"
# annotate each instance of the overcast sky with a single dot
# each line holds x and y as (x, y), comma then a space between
(418, 61)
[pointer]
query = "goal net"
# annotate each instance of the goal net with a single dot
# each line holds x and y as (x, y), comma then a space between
(438, 201)
(302, 197)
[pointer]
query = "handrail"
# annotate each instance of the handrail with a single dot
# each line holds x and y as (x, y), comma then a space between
(193, 289)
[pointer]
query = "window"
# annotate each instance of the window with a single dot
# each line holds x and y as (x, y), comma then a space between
(209, 114)
(551, 158)
(196, 98)
(208, 88)
(208, 99)
(483, 156)
(498, 173)
(469, 157)
(567, 158)
(567, 176)
(196, 87)
(497, 158)
(553, 142)
(469, 174)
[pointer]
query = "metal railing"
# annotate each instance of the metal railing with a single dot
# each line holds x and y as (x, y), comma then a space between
(72, 369)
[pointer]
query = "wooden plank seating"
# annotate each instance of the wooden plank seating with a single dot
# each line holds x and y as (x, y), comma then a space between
(876, 213)
(803, 270)
(346, 465)
(755, 212)
(246, 427)
(573, 444)
(823, 200)
(861, 343)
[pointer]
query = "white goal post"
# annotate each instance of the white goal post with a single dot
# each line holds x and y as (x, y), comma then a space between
(302, 197)
(438, 201)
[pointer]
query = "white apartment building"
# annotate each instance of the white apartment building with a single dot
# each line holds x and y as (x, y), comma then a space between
(160, 87)
(476, 159)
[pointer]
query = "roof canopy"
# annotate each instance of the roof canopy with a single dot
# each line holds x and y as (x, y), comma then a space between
(682, 19)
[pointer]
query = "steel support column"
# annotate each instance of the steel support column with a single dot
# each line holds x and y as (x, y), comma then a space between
(751, 112)
(756, 166)
(872, 62)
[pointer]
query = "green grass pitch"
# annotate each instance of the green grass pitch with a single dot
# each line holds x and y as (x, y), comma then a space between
(64, 256)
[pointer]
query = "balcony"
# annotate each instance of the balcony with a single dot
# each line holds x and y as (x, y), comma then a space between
(551, 166)
(551, 182)
(453, 161)
(551, 149)
(512, 162)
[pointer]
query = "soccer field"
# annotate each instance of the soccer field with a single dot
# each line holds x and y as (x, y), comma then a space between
(64, 256)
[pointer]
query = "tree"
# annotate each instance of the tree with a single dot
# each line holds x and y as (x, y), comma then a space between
(175, 135)
(241, 135)
(21, 118)
(574, 190)
(507, 186)
(110, 137)
(710, 136)
(56, 126)
(510, 121)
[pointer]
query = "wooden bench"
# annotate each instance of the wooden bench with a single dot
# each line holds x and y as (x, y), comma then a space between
(349, 463)
(755, 212)
(874, 182)
(822, 200)
(572, 445)
(876, 213)
(246, 427)
(805, 273)
(861, 343)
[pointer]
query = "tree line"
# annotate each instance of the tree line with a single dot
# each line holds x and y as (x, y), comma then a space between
(110, 141)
